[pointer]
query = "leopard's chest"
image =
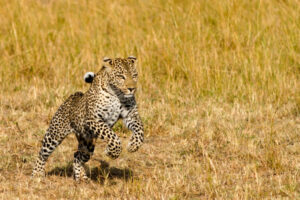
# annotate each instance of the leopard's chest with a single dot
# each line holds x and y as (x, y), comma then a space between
(109, 111)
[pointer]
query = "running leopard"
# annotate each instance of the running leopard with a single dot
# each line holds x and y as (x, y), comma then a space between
(92, 115)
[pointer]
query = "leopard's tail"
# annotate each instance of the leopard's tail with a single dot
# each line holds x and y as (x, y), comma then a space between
(89, 77)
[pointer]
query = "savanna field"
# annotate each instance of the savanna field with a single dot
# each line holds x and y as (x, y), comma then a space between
(218, 92)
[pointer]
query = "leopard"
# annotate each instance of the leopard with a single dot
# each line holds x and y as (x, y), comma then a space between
(92, 115)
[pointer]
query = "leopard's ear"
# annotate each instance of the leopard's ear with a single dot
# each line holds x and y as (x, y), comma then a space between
(133, 60)
(107, 60)
(132, 57)
(107, 64)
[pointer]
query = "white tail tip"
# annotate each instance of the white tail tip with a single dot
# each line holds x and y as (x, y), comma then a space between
(89, 77)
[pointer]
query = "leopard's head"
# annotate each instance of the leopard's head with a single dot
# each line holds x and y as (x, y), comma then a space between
(121, 75)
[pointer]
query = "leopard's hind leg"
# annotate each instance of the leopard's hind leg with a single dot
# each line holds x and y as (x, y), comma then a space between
(59, 128)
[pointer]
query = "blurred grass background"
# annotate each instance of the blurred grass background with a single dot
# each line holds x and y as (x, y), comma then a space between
(210, 73)
(235, 50)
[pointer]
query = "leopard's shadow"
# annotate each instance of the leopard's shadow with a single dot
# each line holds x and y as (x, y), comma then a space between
(96, 173)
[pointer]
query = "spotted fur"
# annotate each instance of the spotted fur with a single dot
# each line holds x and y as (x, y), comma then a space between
(91, 115)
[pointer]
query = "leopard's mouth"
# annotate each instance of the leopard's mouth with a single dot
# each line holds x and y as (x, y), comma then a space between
(128, 92)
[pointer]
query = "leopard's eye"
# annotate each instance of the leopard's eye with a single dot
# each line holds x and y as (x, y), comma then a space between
(121, 77)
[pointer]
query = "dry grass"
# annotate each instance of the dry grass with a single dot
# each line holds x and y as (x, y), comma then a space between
(218, 93)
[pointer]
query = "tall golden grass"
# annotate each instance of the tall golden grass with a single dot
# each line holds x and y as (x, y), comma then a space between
(218, 93)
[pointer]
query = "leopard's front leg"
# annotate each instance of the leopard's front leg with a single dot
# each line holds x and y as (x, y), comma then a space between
(101, 130)
(134, 123)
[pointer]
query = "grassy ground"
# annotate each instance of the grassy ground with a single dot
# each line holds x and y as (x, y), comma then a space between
(218, 93)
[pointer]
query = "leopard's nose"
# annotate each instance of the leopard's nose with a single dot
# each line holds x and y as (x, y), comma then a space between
(131, 89)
